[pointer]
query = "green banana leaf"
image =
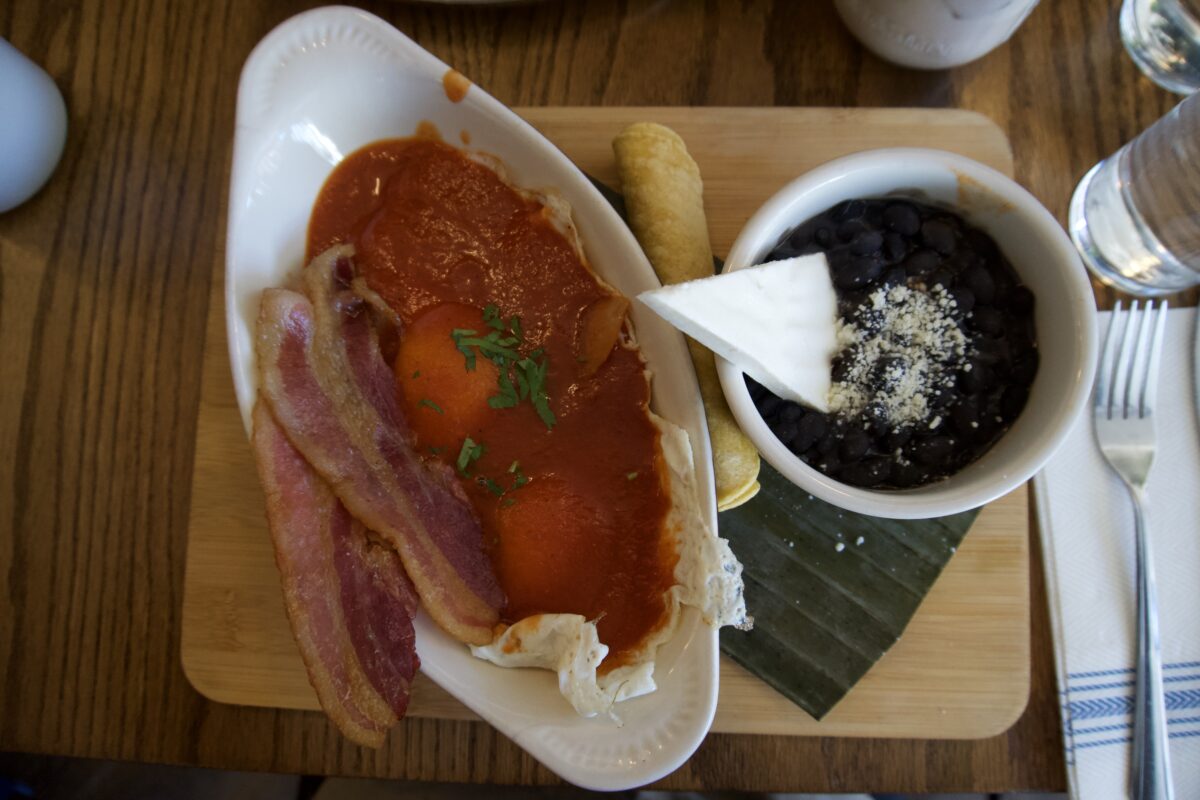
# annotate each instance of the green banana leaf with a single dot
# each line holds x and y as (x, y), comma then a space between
(830, 590)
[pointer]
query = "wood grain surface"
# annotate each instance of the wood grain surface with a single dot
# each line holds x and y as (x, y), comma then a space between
(104, 281)
(960, 670)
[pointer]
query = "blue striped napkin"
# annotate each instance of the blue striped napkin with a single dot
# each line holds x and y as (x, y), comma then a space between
(1088, 546)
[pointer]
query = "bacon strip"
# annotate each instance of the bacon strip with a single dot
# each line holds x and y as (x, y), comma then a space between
(379, 602)
(305, 521)
(331, 391)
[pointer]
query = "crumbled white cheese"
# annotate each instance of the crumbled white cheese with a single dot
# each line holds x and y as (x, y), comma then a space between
(840, 546)
(901, 348)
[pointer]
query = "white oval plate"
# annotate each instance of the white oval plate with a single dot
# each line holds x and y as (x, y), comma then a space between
(320, 86)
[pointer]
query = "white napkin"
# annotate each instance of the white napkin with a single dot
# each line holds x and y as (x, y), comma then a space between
(1086, 520)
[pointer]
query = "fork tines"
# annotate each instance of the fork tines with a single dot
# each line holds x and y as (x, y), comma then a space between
(1128, 372)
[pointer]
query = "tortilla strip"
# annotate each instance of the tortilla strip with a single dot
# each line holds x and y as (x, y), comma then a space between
(664, 198)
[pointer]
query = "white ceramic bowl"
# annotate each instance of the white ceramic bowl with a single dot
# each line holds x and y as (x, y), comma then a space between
(329, 81)
(1043, 257)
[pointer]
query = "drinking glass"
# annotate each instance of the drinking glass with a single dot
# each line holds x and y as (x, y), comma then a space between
(1135, 217)
(1163, 38)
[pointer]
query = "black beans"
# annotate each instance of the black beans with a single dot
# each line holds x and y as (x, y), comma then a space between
(939, 236)
(769, 405)
(852, 228)
(933, 450)
(976, 377)
(809, 429)
(873, 244)
(784, 430)
(855, 445)
(965, 416)
(1024, 369)
(1020, 301)
(897, 439)
(894, 277)
(943, 278)
(1013, 400)
(964, 299)
(870, 472)
(902, 218)
(791, 412)
(895, 246)
(906, 474)
(857, 272)
(988, 320)
(980, 282)
(866, 243)
(921, 263)
(848, 209)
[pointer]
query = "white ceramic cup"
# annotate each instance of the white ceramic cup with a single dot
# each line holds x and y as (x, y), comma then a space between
(33, 127)
(1043, 257)
(933, 34)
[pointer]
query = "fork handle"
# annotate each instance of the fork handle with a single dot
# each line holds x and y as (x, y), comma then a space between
(1151, 773)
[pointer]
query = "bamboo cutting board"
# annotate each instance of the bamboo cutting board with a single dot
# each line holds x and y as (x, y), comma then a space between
(961, 669)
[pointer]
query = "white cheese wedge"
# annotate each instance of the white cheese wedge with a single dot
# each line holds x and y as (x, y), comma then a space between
(776, 321)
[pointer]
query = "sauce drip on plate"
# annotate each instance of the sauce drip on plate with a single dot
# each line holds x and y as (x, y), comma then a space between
(455, 84)
(572, 503)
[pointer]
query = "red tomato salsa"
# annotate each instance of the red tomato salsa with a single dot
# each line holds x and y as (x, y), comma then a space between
(511, 370)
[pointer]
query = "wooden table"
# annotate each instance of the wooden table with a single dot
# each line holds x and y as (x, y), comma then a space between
(104, 282)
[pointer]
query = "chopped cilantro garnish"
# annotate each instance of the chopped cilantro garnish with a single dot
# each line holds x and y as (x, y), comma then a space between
(519, 377)
(519, 478)
(508, 501)
(493, 346)
(491, 316)
(416, 374)
(458, 334)
(630, 475)
(469, 454)
(425, 401)
(491, 486)
(535, 376)
(437, 451)
(508, 395)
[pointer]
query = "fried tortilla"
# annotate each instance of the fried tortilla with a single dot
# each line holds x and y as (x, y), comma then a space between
(664, 197)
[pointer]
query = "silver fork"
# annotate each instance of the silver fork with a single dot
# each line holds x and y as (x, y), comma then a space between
(1123, 412)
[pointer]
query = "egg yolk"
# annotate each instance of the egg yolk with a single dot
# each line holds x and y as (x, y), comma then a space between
(444, 401)
(549, 526)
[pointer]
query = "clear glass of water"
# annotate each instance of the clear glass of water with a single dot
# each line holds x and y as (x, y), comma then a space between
(1163, 38)
(1135, 216)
